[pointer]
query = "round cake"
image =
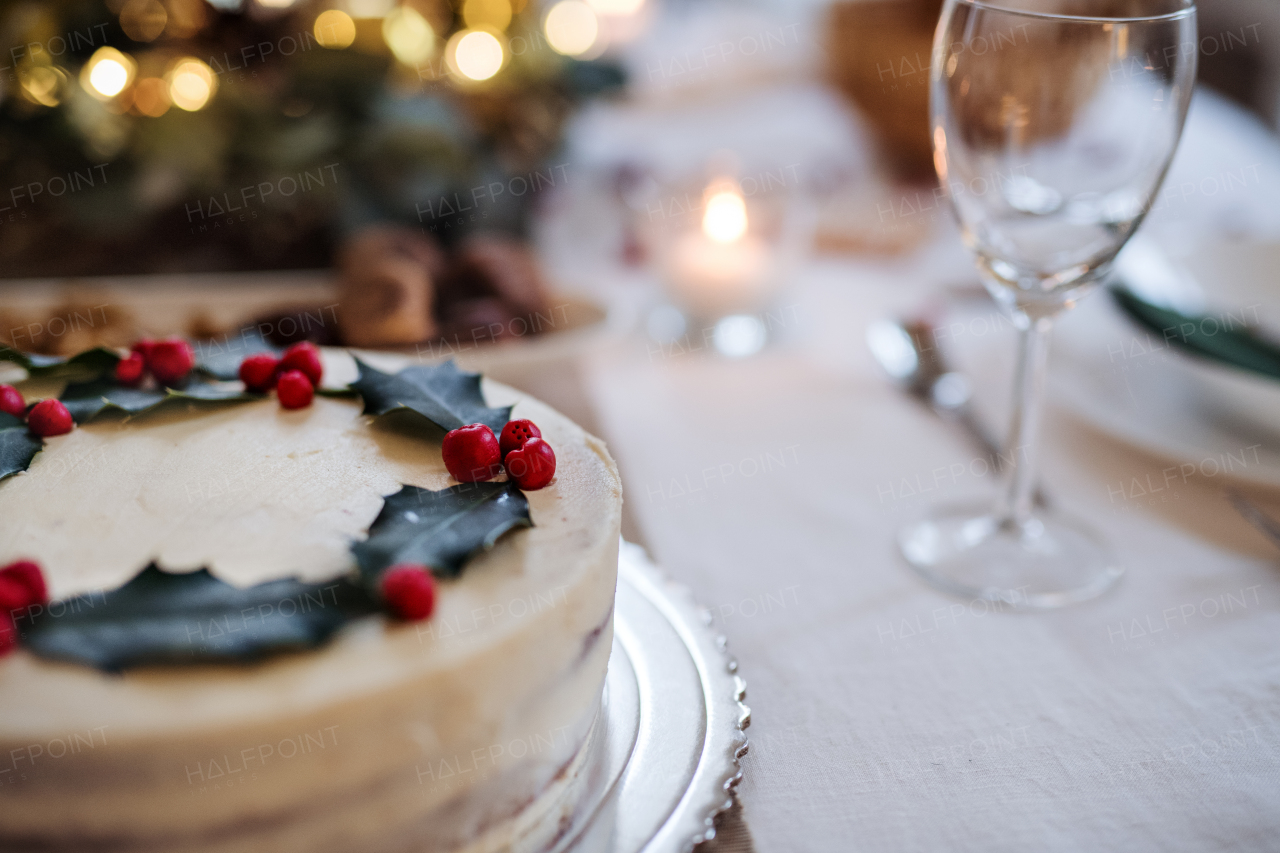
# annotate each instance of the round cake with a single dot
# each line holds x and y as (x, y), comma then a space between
(450, 733)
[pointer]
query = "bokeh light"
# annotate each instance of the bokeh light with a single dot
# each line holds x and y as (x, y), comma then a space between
(107, 73)
(276, 4)
(409, 36)
(739, 335)
(143, 20)
(571, 27)
(186, 17)
(151, 97)
(475, 54)
(43, 84)
(191, 84)
(487, 13)
(109, 77)
(334, 29)
(369, 8)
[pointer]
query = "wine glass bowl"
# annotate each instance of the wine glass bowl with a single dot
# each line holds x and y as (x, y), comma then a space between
(1054, 122)
(1066, 118)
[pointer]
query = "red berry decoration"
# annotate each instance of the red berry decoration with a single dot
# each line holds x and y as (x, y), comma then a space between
(129, 370)
(410, 591)
(13, 596)
(258, 372)
(295, 390)
(532, 465)
(8, 634)
(22, 585)
(171, 360)
(304, 356)
(471, 453)
(516, 433)
(143, 347)
(11, 402)
(49, 418)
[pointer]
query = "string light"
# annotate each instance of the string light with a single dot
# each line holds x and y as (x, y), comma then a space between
(571, 27)
(334, 29)
(409, 36)
(143, 20)
(486, 13)
(151, 97)
(107, 73)
(191, 84)
(186, 17)
(43, 84)
(369, 8)
(475, 54)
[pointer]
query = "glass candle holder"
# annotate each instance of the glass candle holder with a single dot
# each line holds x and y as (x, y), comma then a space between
(723, 246)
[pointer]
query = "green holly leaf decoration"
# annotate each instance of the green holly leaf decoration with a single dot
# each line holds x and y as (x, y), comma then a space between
(443, 394)
(163, 618)
(17, 446)
(440, 529)
(220, 359)
(86, 400)
(345, 393)
(83, 365)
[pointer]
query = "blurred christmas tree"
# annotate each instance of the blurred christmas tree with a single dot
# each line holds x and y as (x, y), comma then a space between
(163, 135)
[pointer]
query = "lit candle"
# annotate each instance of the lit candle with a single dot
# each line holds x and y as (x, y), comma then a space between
(720, 268)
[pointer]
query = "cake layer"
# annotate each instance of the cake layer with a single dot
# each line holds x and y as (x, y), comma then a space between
(374, 734)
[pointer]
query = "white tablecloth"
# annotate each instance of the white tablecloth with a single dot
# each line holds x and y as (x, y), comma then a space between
(889, 717)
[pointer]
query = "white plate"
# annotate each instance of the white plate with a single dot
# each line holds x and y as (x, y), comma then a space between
(1241, 283)
(1136, 387)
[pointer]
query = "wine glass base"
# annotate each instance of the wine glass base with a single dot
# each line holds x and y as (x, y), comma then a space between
(1045, 562)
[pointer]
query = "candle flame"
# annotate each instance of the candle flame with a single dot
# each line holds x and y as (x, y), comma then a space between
(725, 219)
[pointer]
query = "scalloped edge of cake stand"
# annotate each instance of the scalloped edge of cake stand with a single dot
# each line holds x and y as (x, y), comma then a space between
(672, 726)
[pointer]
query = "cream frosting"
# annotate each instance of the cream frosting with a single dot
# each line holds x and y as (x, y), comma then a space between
(515, 652)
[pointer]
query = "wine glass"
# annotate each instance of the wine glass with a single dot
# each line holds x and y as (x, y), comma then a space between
(1054, 122)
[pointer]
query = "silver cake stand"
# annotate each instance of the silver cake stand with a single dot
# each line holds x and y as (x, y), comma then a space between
(670, 734)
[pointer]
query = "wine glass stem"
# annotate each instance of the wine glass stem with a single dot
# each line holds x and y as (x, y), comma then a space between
(1020, 455)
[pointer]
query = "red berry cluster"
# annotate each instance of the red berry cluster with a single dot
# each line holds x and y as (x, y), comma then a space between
(170, 361)
(45, 419)
(21, 586)
(295, 375)
(473, 453)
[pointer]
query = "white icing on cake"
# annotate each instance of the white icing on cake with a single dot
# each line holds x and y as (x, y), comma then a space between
(428, 731)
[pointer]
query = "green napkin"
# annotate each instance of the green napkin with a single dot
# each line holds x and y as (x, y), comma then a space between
(1222, 338)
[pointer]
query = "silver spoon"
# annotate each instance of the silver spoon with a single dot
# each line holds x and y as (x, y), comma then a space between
(910, 354)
